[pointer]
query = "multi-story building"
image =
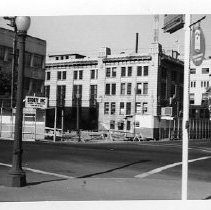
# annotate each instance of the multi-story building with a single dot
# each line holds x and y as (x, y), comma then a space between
(199, 83)
(122, 92)
(34, 75)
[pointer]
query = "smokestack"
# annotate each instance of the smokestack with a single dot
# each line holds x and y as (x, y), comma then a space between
(136, 42)
(156, 29)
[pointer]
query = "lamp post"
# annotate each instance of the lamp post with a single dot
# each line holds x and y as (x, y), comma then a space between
(16, 174)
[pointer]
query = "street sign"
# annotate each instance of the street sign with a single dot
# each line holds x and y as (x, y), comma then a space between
(36, 102)
(197, 46)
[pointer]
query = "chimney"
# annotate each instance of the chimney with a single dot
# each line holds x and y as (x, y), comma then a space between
(156, 29)
(136, 42)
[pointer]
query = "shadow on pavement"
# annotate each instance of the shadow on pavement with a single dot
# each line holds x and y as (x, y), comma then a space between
(114, 169)
(41, 182)
(207, 198)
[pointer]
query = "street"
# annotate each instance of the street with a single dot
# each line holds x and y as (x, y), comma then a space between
(150, 161)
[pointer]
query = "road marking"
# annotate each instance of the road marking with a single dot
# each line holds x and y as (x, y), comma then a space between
(157, 170)
(40, 172)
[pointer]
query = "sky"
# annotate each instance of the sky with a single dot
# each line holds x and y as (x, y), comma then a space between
(86, 34)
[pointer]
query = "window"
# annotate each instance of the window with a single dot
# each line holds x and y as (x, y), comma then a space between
(128, 108)
(66, 57)
(37, 61)
(48, 75)
(47, 91)
(138, 107)
(27, 59)
(112, 124)
(139, 70)
(113, 107)
(121, 125)
(138, 88)
(205, 70)
(113, 89)
(80, 74)
(77, 90)
(113, 71)
(2, 51)
(64, 75)
(145, 88)
(192, 71)
(174, 76)
(137, 124)
(146, 69)
(129, 73)
(122, 91)
(128, 125)
(106, 108)
(108, 72)
(57, 58)
(204, 98)
(193, 84)
(93, 95)
(107, 89)
(145, 107)
(92, 74)
(123, 71)
(61, 90)
(129, 85)
(122, 108)
(61, 75)
(163, 90)
(75, 75)
(192, 98)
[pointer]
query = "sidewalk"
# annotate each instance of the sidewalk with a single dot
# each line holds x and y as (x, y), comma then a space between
(49, 188)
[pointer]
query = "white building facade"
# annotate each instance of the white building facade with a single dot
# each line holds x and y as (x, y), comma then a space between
(122, 92)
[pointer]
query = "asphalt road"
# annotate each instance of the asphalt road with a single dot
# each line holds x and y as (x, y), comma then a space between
(114, 160)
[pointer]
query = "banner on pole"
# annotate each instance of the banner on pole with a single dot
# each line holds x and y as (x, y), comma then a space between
(197, 46)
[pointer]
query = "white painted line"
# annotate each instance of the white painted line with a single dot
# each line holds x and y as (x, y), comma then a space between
(157, 170)
(41, 172)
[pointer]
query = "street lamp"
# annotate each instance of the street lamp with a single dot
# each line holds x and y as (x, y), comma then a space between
(16, 174)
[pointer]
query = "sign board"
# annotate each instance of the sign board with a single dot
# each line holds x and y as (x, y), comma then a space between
(173, 23)
(36, 102)
(166, 118)
(197, 46)
(29, 111)
(166, 111)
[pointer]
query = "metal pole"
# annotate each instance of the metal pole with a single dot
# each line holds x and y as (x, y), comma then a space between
(35, 126)
(62, 122)
(77, 120)
(55, 119)
(1, 117)
(186, 109)
(13, 71)
(17, 175)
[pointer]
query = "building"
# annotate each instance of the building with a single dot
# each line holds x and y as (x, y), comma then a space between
(122, 92)
(34, 74)
(199, 83)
